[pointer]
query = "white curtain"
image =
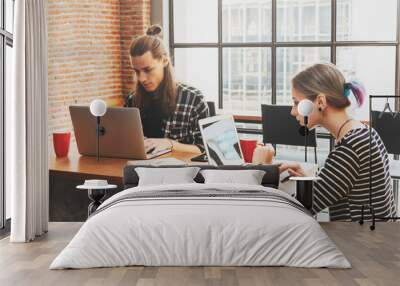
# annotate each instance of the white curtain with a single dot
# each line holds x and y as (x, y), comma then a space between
(27, 122)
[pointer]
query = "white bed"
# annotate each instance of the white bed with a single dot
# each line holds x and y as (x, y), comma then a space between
(264, 229)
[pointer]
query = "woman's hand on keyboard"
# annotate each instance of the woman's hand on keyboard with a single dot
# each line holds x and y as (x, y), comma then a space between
(294, 169)
(158, 144)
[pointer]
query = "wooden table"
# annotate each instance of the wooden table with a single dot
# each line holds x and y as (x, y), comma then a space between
(68, 204)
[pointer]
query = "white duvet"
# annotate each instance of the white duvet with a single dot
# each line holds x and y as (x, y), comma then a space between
(200, 231)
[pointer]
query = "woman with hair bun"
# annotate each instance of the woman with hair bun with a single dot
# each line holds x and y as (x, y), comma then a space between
(344, 184)
(169, 110)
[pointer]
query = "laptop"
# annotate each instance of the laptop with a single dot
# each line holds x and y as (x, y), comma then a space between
(221, 140)
(123, 137)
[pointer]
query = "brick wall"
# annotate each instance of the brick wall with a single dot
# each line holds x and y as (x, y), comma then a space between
(135, 18)
(88, 44)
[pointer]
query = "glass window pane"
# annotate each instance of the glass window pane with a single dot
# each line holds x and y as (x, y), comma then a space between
(289, 62)
(198, 67)
(195, 21)
(8, 69)
(246, 79)
(303, 20)
(246, 21)
(366, 20)
(374, 67)
(9, 15)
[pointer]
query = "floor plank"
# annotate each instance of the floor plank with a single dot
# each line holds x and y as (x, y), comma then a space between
(374, 255)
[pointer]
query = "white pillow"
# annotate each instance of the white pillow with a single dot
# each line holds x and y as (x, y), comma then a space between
(166, 176)
(248, 177)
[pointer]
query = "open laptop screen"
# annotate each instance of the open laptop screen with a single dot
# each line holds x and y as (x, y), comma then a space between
(221, 140)
(123, 137)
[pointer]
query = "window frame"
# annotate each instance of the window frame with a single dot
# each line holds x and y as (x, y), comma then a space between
(333, 44)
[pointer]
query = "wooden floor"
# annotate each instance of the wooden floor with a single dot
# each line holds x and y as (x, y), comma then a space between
(375, 257)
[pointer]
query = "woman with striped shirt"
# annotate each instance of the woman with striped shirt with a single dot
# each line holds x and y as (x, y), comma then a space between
(344, 184)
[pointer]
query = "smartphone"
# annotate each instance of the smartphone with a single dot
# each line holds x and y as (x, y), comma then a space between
(151, 150)
(200, 158)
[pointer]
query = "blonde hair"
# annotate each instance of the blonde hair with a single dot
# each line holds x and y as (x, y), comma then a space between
(167, 90)
(327, 79)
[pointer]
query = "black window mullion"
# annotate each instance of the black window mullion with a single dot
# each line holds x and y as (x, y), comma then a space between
(9, 42)
(195, 45)
(171, 31)
(273, 52)
(220, 58)
(333, 30)
(285, 44)
(365, 43)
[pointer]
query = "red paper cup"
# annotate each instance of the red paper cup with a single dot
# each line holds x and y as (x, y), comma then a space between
(61, 143)
(248, 147)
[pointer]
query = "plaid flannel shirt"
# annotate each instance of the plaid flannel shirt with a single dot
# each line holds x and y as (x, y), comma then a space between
(183, 125)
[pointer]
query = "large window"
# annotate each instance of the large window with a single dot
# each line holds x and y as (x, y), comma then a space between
(6, 44)
(242, 53)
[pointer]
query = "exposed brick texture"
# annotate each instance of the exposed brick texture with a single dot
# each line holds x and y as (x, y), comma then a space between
(135, 18)
(88, 43)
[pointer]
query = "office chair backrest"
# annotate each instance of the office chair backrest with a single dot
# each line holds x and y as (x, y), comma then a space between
(388, 129)
(211, 108)
(279, 127)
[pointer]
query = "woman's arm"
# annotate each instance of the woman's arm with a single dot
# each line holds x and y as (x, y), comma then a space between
(183, 132)
(337, 178)
(294, 169)
(186, 148)
(166, 143)
(200, 111)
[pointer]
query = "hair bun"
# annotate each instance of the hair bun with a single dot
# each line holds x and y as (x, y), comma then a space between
(154, 30)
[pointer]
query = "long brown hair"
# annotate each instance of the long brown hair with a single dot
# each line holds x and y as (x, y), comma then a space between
(167, 90)
(327, 79)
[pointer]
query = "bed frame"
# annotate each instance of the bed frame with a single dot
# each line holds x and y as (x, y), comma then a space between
(270, 179)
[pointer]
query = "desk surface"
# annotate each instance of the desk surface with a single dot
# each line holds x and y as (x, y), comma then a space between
(76, 163)
(395, 169)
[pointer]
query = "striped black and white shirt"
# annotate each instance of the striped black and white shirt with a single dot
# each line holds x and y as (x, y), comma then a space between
(344, 184)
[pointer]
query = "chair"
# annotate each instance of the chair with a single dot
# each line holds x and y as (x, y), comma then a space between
(387, 127)
(211, 108)
(279, 127)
